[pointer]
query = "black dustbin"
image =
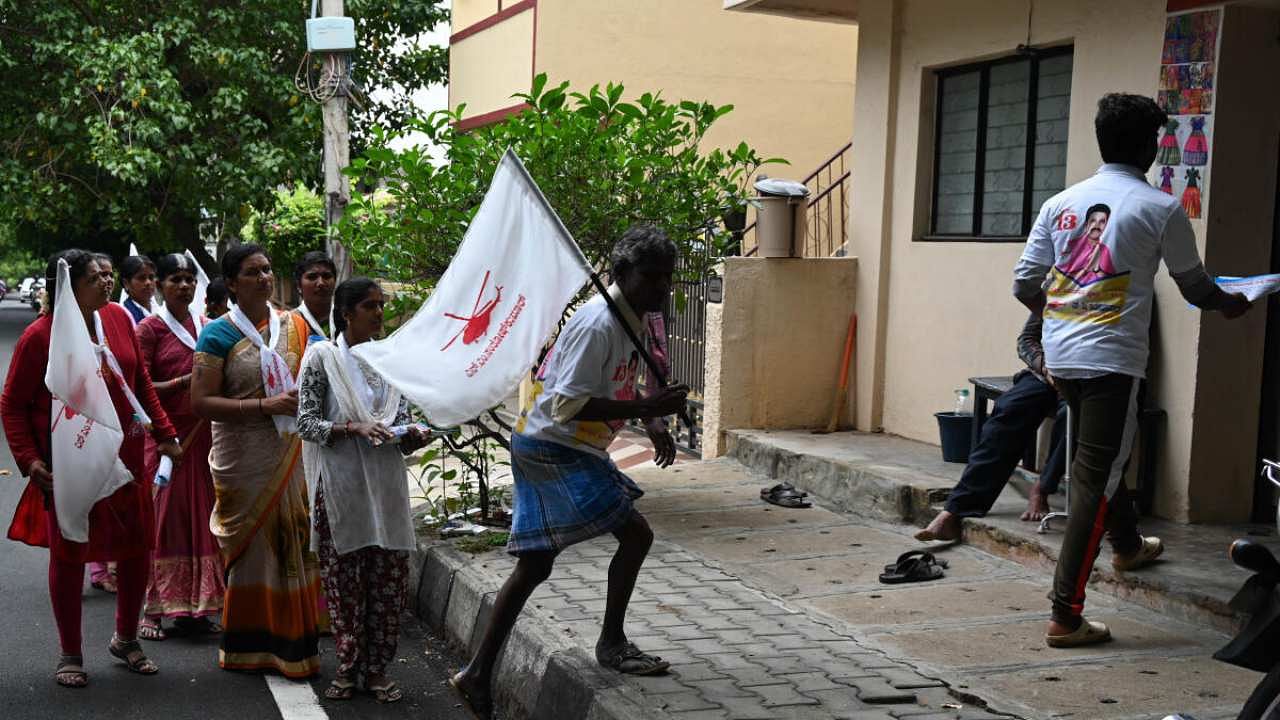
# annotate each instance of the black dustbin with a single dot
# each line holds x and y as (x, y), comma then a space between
(956, 431)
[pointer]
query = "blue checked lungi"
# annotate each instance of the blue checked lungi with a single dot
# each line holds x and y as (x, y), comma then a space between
(564, 496)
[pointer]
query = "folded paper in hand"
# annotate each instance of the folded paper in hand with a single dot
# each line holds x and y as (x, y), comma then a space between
(1252, 287)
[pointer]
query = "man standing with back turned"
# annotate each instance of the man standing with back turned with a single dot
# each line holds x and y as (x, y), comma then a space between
(1099, 243)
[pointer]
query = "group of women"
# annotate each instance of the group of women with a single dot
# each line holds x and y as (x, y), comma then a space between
(286, 508)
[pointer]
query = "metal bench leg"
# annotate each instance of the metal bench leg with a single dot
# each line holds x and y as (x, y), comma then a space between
(1066, 479)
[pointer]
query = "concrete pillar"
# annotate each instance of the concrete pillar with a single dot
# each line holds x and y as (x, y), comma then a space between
(1239, 225)
(774, 346)
(871, 203)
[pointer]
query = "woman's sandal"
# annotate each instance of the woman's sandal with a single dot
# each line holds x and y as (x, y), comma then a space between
(70, 672)
(387, 692)
(479, 705)
(132, 655)
(340, 689)
(149, 630)
(630, 660)
(107, 586)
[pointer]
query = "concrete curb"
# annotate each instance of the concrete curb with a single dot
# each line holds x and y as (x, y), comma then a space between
(540, 674)
(846, 486)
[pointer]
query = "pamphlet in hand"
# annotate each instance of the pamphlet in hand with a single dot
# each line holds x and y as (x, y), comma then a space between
(1252, 287)
(399, 431)
(165, 472)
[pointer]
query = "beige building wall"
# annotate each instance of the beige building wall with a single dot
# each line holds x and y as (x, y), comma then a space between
(765, 369)
(487, 67)
(790, 81)
(465, 13)
(934, 313)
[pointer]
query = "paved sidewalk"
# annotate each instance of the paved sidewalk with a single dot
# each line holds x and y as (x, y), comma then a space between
(735, 651)
(767, 612)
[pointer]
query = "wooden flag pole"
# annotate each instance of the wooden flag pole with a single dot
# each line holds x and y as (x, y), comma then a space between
(649, 362)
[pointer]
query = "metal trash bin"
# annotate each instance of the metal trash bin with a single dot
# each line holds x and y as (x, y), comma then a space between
(780, 216)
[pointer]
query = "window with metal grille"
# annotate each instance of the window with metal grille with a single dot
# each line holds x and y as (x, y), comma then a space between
(1000, 145)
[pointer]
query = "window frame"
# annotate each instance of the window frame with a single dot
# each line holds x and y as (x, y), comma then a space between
(984, 88)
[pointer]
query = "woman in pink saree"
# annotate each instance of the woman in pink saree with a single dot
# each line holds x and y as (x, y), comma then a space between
(186, 574)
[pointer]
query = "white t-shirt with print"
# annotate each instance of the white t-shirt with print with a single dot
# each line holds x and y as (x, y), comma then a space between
(1102, 240)
(592, 358)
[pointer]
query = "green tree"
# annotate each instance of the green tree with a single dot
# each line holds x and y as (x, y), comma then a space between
(16, 261)
(137, 121)
(293, 225)
(604, 164)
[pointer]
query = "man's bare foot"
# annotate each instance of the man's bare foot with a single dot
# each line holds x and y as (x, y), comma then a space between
(945, 527)
(1037, 505)
(474, 694)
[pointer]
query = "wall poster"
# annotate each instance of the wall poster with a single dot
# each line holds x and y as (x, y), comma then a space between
(1188, 70)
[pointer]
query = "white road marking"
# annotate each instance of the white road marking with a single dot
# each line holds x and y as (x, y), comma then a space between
(295, 698)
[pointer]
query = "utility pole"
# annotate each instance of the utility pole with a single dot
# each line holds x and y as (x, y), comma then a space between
(337, 155)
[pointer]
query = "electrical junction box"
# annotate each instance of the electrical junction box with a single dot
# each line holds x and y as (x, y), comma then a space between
(331, 34)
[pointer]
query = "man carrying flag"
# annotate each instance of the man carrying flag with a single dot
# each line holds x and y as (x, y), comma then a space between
(567, 490)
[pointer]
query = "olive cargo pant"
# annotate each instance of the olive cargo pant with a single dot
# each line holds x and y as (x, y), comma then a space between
(1104, 413)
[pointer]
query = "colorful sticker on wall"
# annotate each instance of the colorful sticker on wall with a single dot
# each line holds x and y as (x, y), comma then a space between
(1188, 75)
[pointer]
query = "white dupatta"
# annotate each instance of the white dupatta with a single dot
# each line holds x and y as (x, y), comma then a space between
(179, 330)
(366, 488)
(276, 378)
(314, 324)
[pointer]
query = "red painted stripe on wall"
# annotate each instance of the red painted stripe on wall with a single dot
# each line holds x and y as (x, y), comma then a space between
(494, 19)
(490, 118)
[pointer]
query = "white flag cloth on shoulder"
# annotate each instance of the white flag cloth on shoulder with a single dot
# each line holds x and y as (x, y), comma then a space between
(86, 432)
(482, 328)
(202, 287)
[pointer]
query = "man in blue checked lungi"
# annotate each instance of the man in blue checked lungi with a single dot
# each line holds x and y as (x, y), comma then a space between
(566, 488)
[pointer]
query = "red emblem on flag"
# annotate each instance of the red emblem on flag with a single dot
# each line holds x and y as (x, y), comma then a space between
(1068, 220)
(477, 324)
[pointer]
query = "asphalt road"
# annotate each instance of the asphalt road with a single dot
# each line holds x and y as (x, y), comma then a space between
(189, 685)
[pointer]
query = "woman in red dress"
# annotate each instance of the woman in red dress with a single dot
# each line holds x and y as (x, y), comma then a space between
(186, 572)
(122, 525)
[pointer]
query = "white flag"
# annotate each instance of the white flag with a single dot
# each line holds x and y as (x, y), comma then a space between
(86, 431)
(482, 328)
(202, 288)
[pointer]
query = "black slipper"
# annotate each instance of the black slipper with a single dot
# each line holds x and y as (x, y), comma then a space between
(940, 562)
(784, 495)
(914, 566)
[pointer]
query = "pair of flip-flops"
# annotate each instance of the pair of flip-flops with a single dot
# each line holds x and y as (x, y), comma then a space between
(914, 566)
(785, 495)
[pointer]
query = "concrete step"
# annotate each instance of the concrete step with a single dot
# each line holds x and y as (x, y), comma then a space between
(893, 479)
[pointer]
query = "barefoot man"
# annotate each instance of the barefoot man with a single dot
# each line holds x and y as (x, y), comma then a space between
(1007, 433)
(567, 490)
(1097, 316)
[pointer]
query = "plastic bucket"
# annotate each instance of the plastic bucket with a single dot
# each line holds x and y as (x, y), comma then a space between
(956, 433)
